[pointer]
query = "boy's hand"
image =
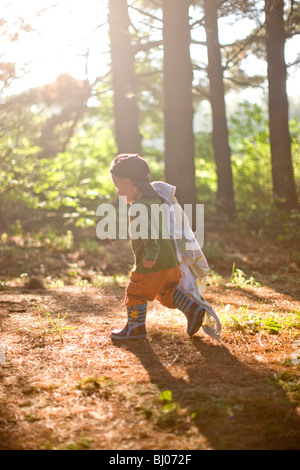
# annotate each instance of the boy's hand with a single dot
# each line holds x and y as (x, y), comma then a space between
(147, 263)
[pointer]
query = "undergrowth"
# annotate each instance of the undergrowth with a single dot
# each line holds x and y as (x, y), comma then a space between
(248, 321)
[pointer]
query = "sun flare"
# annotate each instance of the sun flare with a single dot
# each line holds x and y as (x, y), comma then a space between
(55, 38)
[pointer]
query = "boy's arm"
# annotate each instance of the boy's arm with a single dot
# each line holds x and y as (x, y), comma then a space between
(147, 233)
(152, 250)
(151, 243)
(147, 263)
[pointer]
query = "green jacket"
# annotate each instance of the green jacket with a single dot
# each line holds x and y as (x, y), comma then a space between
(149, 236)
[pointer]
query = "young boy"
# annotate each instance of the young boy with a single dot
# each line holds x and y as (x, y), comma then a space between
(156, 273)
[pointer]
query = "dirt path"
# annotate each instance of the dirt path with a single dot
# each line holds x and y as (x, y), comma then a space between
(73, 389)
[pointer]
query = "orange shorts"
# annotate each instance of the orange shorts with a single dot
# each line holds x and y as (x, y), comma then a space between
(155, 285)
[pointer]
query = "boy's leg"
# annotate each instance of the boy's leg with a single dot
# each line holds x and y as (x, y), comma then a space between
(193, 310)
(140, 289)
(163, 286)
(136, 303)
(172, 296)
(167, 284)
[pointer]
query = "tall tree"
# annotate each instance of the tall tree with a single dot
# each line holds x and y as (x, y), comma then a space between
(124, 79)
(284, 187)
(222, 152)
(178, 101)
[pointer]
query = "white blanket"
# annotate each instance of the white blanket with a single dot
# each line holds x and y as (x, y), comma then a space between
(192, 262)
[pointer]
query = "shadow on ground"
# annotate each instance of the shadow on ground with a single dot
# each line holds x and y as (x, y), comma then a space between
(234, 406)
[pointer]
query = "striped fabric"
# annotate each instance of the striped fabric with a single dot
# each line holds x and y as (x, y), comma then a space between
(137, 314)
(193, 311)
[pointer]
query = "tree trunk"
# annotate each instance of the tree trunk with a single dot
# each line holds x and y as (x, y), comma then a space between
(284, 187)
(124, 80)
(225, 192)
(178, 100)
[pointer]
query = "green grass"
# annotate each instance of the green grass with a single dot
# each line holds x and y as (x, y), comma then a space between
(51, 325)
(239, 278)
(272, 322)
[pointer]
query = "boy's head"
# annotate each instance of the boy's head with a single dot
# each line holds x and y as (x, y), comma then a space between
(131, 176)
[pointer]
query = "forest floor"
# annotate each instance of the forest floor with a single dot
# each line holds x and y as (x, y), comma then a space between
(65, 385)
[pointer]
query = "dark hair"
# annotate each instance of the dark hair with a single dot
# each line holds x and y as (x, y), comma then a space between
(135, 168)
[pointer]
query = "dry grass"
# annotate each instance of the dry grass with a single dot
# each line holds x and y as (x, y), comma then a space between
(74, 389)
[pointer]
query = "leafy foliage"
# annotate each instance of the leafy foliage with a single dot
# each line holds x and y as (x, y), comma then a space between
(35, 176)
(251, 156)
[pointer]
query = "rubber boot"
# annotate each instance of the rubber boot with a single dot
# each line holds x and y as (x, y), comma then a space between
(193, 310)
(135, 327)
